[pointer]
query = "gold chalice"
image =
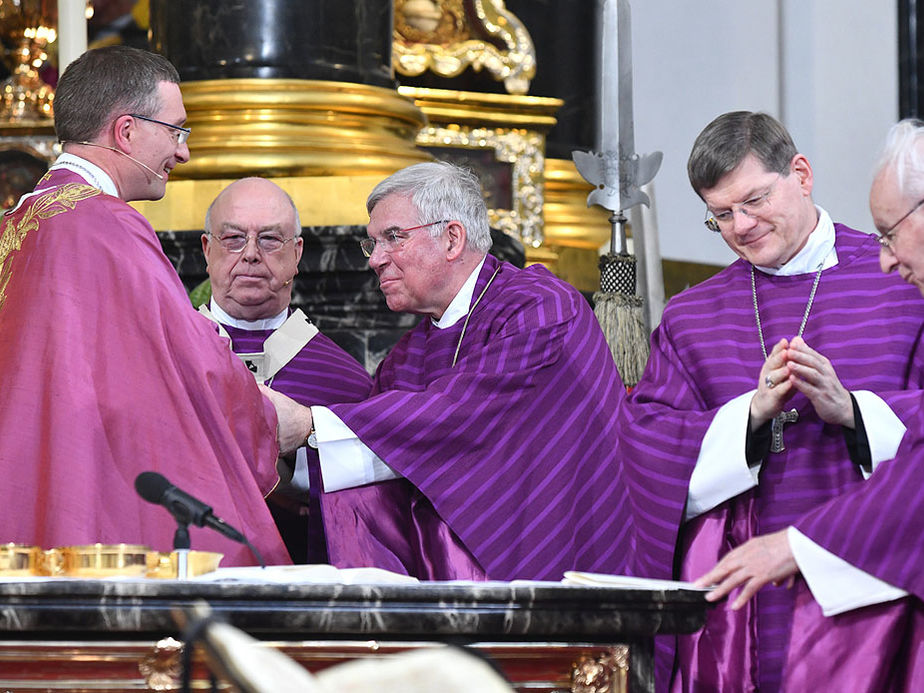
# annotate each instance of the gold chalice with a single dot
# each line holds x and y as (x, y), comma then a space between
(26, 29)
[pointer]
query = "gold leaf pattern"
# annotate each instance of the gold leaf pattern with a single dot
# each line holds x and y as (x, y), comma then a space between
(18, 225)
(442, 41)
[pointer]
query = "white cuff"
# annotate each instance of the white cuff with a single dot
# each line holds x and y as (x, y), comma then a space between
(884, 429)
(836, 585)
(346, 462)
(721, 470)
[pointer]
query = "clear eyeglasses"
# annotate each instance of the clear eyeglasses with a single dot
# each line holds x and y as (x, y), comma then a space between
(236, 242)
(888, 236)
(181, 133)
(749, 208)
(393, 239)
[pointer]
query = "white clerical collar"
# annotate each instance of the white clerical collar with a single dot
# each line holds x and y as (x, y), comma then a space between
(458, 307)
(87, 170)
(818, 251)
(272, 323)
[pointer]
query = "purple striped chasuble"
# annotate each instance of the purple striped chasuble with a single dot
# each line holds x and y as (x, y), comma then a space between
(706, 352)
(514, 447)
(878, 527)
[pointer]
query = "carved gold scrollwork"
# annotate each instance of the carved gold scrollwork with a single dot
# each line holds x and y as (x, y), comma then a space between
(524, 151)
(161, 667)
(439, 35)
(607, 673)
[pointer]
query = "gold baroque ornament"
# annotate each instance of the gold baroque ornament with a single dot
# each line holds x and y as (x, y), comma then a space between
(161, 668)
(521, 148)
(437, 35)
(47, 205)
(607, 673)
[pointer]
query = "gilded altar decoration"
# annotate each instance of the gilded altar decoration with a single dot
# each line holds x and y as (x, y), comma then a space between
(501, 137)
(26, 30)
(59, 200)
(607, 673)
(448, 36)
(523, 151)
(162, 667)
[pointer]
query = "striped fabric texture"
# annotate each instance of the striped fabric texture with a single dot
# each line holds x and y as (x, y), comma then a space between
(516, 445)
(707, 351)
(321, 373)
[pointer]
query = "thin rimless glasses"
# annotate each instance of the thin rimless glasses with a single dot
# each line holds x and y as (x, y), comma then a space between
(181, 133)
(236, 242)
(888, 236)
(718, 221)
(392, 239)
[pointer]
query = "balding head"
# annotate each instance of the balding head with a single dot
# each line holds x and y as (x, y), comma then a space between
(255, 282)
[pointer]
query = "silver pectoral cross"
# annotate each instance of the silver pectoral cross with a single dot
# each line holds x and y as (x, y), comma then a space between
(776, 429)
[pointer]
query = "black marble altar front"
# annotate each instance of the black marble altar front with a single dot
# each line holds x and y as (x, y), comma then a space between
(101, 614)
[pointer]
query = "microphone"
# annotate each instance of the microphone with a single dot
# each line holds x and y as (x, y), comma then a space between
(154, 488)
(127, 156)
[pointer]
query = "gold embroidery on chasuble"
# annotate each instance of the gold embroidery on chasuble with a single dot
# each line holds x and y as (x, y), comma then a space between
(16, 227)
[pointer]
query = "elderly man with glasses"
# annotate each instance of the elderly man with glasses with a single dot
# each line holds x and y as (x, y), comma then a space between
(494, 415)
(252, 246)
(772, 387)
(106, 371)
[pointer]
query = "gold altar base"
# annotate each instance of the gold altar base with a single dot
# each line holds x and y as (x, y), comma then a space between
(296, 127)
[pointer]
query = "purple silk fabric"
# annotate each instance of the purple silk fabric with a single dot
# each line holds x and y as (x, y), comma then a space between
(876, 649)
(878, 528)
(107, 371)
(321, 373)
(711, 658)
(514, 448)
(706, 352)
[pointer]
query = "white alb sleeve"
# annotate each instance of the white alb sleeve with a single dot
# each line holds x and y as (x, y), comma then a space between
(721, 470)
(836, 585)
(346, 462)
(884, 430)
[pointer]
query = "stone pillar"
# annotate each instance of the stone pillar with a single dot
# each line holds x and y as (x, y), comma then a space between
(288, 87)
(337, 40)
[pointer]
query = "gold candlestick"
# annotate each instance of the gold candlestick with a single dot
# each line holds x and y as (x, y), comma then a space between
(26, 30)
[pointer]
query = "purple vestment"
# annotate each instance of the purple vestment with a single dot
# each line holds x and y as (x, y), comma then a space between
(879, 528)
(321, 373)
(706, 352)
(107, 371)
(514, 447)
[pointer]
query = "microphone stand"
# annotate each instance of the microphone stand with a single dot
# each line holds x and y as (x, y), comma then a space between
(181, 545)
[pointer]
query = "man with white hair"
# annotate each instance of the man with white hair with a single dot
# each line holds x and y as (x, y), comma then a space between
(491, 421)
(862, 567)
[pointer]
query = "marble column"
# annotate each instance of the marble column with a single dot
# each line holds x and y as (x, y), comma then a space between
(338, 40)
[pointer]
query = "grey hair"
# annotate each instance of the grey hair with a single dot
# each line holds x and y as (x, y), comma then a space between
(104, 83)
(727, 140)
(902, 152)
(440, 190)
(207, 227)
